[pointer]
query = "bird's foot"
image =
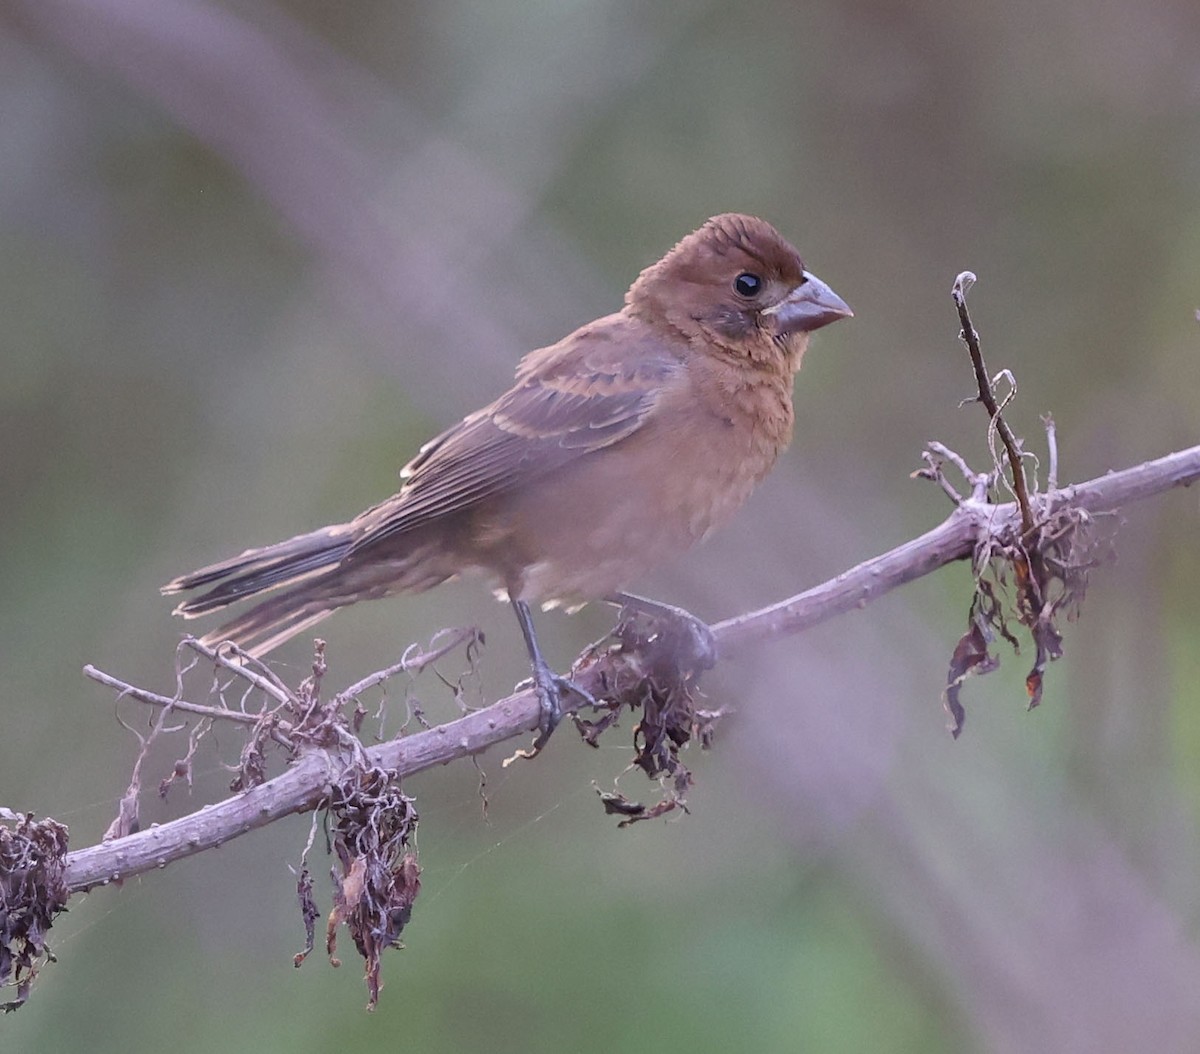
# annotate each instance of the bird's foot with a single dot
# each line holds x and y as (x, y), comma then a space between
(551, 688)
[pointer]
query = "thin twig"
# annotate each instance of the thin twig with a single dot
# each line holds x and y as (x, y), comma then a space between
(410, 662)
(1052, 447)
(987, 396)
(933, 471)
(980, 482)
(219, 713)
(956, 459)
(245, 666)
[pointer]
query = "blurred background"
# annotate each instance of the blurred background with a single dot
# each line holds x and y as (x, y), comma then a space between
(252, 253)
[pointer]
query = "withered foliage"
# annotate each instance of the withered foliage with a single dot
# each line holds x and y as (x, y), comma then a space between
(371, 824)
(302, 720)
(654, 665)
(32, 891)
(1034, 582)
(1033, 574)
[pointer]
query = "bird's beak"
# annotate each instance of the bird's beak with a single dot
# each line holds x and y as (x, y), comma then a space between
(809, 306)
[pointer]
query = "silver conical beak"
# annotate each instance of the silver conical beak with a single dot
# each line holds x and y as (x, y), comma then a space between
(809, 306)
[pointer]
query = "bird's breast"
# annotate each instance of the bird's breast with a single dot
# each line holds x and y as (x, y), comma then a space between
(600, 523)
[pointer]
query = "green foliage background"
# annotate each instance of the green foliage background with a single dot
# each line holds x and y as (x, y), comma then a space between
(252, 253)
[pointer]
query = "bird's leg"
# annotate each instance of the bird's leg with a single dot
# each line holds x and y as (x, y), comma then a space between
(548, 684)
(703, 644)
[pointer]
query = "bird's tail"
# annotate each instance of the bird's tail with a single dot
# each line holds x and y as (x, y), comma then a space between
(301, 563)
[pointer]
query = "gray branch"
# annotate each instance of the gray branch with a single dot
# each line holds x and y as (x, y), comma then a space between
(303, 785)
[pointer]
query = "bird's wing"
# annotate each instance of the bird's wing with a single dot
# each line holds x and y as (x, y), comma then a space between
(586, 393)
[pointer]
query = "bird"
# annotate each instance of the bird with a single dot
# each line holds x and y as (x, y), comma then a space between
(622, 444)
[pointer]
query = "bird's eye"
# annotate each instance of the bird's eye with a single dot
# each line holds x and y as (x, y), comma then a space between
(747, 285)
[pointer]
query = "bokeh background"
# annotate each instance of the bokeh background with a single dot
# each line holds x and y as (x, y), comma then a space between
(252, 253)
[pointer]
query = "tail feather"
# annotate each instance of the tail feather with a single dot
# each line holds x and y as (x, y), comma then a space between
(318, 583)
(258, 570)
(267, 625)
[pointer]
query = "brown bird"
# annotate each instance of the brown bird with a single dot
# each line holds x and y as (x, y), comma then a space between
(622, 444)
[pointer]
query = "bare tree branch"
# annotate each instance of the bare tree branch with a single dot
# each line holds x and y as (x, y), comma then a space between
(306, 783)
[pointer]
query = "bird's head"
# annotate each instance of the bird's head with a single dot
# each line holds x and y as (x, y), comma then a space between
(737, 283)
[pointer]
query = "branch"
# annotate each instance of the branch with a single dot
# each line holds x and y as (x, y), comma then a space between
(987, 396)
(953, 539)
(305, 784)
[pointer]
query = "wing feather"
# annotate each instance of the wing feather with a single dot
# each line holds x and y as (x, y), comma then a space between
(585, 396)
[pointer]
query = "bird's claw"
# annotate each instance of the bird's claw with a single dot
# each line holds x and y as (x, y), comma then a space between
(550, 688)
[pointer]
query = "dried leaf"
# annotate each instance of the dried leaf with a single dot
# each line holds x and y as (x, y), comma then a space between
(971, 657)
(1031, 580)
(1048, 642)
(310, 912)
